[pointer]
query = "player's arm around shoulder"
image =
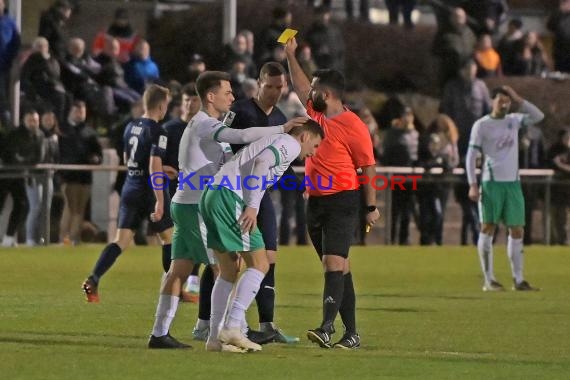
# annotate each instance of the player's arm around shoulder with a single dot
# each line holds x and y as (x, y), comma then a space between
(248, 135)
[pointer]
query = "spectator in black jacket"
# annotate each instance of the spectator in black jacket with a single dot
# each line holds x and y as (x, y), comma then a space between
(52, 27)
(400, 148)
(23, 146)
(508, 44)
(41, 78)
(267, 40)
(112, 76)
(558, 159)
(455, 47)
(326, 41)
(530, 57)
(559, 24)
(79, 145)
(50, 128)
(237, 52)
(532, 155)
(78, 74)
(438, 149)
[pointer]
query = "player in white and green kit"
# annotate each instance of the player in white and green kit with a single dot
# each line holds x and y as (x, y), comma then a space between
(229, 209)
(500, 197)
(204, 148)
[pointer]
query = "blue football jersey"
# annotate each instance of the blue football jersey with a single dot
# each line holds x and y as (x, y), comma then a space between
(143, 138)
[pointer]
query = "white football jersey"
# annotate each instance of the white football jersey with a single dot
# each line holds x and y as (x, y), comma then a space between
(237, 173)
(200, 156)
(498, 142)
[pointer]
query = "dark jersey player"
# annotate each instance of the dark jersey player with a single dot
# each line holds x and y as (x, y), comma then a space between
(262, 110)
(145, 145)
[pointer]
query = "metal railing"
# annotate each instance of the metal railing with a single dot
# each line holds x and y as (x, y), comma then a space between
(45, 173)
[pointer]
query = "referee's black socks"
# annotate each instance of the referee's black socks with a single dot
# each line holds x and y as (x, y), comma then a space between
(332, 298)
(265, 297)
(347, 308)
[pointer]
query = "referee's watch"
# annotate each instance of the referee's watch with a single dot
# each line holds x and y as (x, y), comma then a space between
(371, 208)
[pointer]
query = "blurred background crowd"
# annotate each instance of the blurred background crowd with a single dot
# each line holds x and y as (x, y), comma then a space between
(78, 89)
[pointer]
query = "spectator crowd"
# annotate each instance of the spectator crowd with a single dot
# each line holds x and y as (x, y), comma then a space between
(74, 91)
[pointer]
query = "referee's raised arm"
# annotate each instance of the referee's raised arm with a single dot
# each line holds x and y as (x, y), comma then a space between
(300, 81)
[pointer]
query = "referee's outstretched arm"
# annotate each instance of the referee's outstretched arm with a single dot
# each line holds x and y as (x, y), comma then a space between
(301, 83)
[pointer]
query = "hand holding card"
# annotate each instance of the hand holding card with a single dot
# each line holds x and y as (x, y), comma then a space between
(287, 35)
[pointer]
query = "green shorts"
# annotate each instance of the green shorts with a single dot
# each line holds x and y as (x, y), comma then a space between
(502, 202)
(189, 238)
(221, 209)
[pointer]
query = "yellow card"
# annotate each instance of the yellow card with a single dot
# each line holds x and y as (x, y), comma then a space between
(286, 35)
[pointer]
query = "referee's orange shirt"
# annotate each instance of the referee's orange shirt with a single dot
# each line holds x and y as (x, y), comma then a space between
(347, 146)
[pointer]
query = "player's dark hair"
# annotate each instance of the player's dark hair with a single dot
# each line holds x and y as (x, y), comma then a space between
(516, 22)
(499, 90)
(210, 81)
(279, 13)
(78, 103)
(189, 89)
(29, 111)
(310, 126)
(333, 79)
(271, 69)
(154, 95)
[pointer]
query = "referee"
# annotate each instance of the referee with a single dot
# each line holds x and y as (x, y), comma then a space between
(332, 214)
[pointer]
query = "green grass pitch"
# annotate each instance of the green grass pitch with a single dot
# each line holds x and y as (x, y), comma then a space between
(420, 311)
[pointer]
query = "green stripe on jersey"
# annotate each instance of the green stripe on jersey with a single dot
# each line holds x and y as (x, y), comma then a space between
(218, 132)
(276, 153)
(490, 171)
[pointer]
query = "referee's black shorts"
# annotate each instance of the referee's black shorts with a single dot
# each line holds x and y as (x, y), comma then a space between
(332, 221)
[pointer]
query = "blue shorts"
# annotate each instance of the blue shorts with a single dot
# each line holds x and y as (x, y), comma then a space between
(136, 205)
(267, 222)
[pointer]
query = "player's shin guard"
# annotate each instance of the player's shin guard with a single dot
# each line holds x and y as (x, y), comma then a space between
(206, 285)
(106, 261)
(332, 298)
(246, 291)
(347, 309)
(515, 253)
(265, 298)
(485, 250)
(166, 257)
(220, 294)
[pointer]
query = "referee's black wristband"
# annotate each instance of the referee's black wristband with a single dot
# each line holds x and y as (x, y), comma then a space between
(371, 208)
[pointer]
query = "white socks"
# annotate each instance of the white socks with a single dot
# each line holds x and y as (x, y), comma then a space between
(485, 250)
(165, 312)
(201, 324)
(193, 284)
(515, 252)
(220, 294)
(8, 241)
(246, 291)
